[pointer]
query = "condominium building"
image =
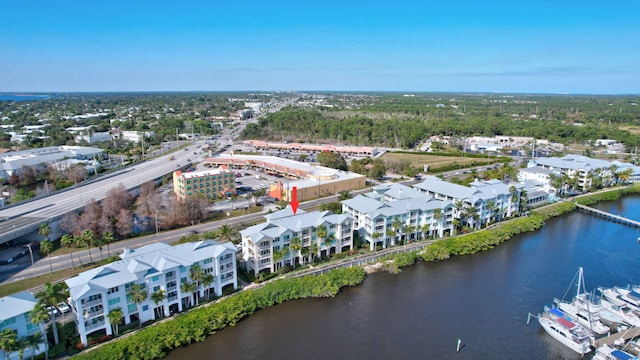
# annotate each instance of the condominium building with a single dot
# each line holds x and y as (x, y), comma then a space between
(391, 214)
(14, 314)
(483, 201)
(213, 183)
(268, 246)
(156, 267)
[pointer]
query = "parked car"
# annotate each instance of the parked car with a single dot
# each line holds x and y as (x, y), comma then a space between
(53, 312)
(64, 307)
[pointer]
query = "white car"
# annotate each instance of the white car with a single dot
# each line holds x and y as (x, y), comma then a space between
(64, 307)
(53, 312)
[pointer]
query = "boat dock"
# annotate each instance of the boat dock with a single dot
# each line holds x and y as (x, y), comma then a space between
(611, 217)
(624, 335)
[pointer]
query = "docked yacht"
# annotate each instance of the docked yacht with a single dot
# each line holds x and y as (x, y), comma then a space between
(608, 352)
(587, 317)
(619, 307)
(572, 335)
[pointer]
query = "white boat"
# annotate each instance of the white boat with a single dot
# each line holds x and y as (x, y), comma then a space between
(621, 296)
(586, 317)
(570, 334)
(579, 311)
(609, 317)
(619, 307)
(608, 352)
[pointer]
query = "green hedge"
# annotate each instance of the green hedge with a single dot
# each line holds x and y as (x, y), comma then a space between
(611, 195)
(154, 342)
(489, 238)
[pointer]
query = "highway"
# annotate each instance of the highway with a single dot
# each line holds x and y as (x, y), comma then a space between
(25, 218)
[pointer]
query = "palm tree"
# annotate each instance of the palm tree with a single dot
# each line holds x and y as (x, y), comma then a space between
(88, 238)
(305, 252)
(197, 273)
(188, 288)
(278, 257)
(52, 295)
(79, 242)
(390, 233)
(44, 230)
(158, 297)
(68, 242)
(115, 318)
(8, 341)
(39, 316)
(207, 280)
(624, 176)
(99, 243)
(328, 241)
(107, 238)
(138, 294)
(406, 229)
(396, 224)
(313, 250)
(438, 215)
(46, 247)
(295, 246)
(321, 233)
(375, 236)
(491, 208)
(522, 205)
(33, 342)
(225, 233)
(344, 195)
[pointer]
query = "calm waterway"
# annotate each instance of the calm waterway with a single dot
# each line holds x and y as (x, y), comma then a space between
(421, 313)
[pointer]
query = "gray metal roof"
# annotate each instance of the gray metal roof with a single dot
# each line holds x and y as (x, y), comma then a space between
(144, 261)
(16, 304)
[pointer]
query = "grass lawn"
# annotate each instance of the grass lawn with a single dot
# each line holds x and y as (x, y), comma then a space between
(435, 161)
(30, 283)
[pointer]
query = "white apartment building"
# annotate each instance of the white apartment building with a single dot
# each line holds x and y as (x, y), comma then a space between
(136, 136)
(580, 168)
(14, 314)
(492, 200)
(94, 293)
(13, 161)
(397, 213)
(261, 243)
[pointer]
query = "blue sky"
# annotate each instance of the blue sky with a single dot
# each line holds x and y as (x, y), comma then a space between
(468, 46)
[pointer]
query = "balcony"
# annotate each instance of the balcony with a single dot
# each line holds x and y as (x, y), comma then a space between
(172, 288)
(94, 326)
(89, 304)
(93, 314)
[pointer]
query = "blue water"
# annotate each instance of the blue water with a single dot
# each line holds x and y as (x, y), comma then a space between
(483, 299)
(26, 97)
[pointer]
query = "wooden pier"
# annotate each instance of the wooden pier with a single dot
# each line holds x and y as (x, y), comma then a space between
(611, 217)
(624, 335)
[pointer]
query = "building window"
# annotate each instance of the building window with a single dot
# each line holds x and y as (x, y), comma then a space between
(132, 308)
(113, 290)
(114, 301)
(155, 278)
(145, 307)
(156, 288)
(207, 261)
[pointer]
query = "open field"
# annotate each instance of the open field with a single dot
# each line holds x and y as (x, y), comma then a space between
(632, 129)
(435, 161)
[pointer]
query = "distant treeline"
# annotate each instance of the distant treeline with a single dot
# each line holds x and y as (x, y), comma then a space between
(396, 121)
